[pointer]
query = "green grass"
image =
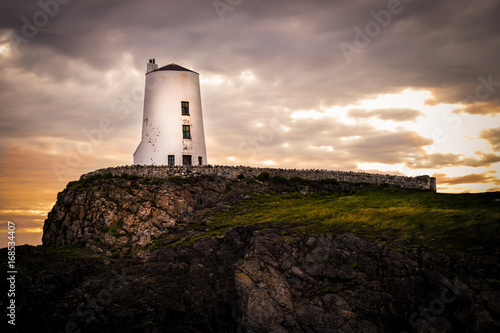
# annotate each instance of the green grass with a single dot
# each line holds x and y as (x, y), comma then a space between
(465, 223)
(91, 183)
(69, 251)
(264, 176)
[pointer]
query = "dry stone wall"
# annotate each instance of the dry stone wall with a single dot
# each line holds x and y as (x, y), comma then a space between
(153, 171)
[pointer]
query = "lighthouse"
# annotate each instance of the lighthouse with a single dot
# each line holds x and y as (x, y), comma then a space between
(172, 124)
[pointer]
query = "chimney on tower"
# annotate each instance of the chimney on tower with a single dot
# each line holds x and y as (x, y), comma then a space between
(152, 65)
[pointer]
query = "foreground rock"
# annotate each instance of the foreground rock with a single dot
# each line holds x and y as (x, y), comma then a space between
(124, 253)
(253, 280)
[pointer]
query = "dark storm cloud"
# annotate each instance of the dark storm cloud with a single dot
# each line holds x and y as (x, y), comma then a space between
(439, 45)
(58, 82)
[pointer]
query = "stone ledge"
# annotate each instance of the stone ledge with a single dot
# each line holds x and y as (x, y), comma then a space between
(424, 182)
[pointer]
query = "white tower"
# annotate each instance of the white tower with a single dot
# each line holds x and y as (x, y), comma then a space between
(172, 128)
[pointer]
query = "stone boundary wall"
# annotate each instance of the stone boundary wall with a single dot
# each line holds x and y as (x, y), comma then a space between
(154, 171)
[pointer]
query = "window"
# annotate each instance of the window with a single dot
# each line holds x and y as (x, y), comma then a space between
(185, 108)
(186, 131)
(171, 160)
(186, 159)
(200, 160)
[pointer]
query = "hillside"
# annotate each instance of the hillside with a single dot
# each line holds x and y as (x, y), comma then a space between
(264, 253)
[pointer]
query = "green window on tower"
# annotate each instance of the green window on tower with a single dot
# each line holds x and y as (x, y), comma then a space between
(186, 131)
(185, 108)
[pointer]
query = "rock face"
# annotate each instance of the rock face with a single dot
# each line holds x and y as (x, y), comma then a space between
(326, 283)
(125, 213)
(132, 274)
(115, 215)
(254, 280)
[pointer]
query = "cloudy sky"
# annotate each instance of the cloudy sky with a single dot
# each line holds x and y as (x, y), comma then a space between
(400, 87)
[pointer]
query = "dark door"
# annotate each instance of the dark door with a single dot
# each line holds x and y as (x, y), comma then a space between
(186, 159)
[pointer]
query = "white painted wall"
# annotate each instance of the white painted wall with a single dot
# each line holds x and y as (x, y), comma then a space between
(163, 120)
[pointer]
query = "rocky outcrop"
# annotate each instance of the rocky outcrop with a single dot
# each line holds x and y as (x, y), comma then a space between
(115, 215)
(253, 279)
(120, 214)
(130, 253)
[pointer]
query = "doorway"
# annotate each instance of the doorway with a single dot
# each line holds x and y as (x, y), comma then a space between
(186, 159)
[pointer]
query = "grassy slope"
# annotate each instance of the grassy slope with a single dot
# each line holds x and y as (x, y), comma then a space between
(465, 223)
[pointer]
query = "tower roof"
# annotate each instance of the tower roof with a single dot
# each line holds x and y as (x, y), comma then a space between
(173, 67)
